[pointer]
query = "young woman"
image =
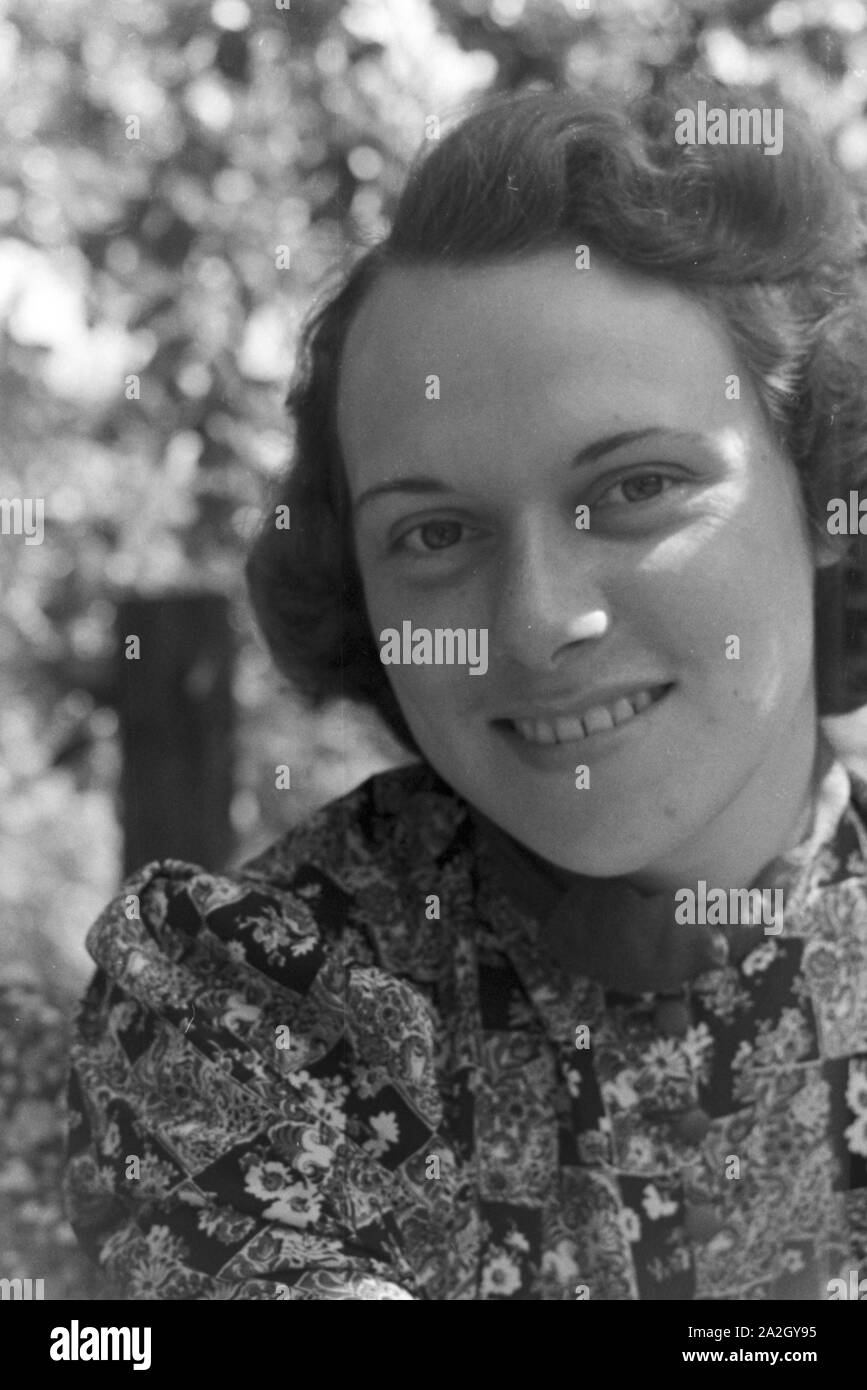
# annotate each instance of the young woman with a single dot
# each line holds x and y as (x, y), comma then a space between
(505, 1023)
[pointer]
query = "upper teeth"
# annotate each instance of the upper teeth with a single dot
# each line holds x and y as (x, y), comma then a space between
(593, 721)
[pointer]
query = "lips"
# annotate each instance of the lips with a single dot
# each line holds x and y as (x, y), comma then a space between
(594, 719)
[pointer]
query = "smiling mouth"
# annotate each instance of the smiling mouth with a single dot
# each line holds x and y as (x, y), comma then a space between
(596, 720)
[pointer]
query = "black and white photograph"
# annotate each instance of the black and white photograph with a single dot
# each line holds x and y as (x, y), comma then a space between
(433, 696)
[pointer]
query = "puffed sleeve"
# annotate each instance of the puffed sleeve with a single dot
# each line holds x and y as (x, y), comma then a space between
(212, 1150)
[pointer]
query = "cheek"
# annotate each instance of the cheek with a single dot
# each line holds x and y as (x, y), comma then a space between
(433, 689)
(433, 696)
(765, 601)
(390, 603)
(392, 598)
(750, 578)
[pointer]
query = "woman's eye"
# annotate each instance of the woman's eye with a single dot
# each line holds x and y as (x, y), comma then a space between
(644, 487)
(430, 536)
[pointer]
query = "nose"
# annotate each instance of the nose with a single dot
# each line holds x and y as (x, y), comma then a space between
(549, 598)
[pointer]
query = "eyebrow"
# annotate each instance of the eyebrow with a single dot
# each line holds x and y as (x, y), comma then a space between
(589, 454)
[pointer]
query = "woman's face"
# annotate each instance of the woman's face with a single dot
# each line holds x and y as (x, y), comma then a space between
(667, 646)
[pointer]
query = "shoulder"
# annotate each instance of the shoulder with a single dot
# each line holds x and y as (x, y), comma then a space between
(227, 1050)
(278, 913)
(394, 819)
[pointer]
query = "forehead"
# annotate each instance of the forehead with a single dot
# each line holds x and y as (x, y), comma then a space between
(523, 351)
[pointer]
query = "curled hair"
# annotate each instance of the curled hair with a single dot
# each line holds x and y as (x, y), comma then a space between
(772, 244)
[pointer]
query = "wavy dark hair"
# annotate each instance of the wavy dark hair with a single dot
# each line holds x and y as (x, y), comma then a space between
(774, 244)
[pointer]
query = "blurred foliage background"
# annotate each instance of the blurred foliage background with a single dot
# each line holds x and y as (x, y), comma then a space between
(178, 178)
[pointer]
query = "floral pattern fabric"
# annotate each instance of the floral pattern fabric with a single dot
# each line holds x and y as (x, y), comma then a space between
(349, 1070)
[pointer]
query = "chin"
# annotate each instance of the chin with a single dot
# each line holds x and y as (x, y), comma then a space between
(591, 855)
(601, 865)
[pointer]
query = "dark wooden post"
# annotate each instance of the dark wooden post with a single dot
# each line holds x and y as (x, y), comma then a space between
(177, 726)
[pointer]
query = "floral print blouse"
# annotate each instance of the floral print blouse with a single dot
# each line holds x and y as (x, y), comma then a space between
(351, 1070)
